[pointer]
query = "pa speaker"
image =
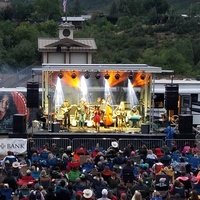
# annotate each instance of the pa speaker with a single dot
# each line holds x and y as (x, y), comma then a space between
(171, 96)
(19, 123)
(185, 123)
(32, 95)
(145, 128)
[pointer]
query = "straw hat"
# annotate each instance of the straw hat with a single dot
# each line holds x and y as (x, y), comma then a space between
(87, 193)
(114, 144)
(16, 165)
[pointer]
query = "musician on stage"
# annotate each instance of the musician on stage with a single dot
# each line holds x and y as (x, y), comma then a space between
(97, 117)
(134, 117)
(41, 117)
(121, 116)
(82, 111)
(65, 108)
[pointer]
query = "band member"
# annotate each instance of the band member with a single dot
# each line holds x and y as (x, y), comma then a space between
(134, 117)
(97, 117)
(41, 117)
(65, 108)
(108, 112)
(81, 112)
(121, 116)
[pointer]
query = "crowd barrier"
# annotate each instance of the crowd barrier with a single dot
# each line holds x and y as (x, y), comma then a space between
(104, 143)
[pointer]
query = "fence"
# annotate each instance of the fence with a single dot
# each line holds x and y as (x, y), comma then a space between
(104, 143)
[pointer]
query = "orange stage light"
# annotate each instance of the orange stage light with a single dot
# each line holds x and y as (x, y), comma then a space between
(141, 79)
(113, 81)
(70, 81)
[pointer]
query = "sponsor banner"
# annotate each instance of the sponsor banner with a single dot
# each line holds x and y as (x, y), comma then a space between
(17, 146)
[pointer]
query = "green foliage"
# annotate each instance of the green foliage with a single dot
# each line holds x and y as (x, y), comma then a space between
(146, 31)
(46, 10)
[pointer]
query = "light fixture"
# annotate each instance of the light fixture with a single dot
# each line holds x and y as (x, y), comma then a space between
(130, 76)
(73, 75)
(117, 76)
(107, 76)
(87, 75)
(143, 76)
(98, 75)
(60, 75)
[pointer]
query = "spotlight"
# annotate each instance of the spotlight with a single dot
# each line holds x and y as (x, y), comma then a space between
(106, 76)
(73, 75)
(143, 76)
(87, 75)
(98, 75)
(60, 75)
(130, 76)
(117, 76)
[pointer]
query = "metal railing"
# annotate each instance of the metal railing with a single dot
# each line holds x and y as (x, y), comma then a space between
(104, 143)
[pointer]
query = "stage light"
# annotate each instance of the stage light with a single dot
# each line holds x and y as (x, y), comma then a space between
(117, 76)
(87, 75)
(130, 76)
(73, 75)
(98, 75)
(60, 75)
(143, 76)
(107, 76)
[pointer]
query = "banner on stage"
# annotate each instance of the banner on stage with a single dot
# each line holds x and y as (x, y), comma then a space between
(17, 146)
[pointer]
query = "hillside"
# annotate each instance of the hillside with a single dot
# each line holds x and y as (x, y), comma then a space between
(104, 5)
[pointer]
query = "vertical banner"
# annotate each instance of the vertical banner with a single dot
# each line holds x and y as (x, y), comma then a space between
(64, 6)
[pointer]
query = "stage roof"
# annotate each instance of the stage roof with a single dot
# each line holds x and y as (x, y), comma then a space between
(101, 67)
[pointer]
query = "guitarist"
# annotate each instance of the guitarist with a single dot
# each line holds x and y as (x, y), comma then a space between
(65, 108)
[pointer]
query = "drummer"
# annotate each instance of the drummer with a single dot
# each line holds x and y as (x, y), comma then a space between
(134, 117)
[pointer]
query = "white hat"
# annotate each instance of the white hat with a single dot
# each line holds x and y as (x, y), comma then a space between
(15, 164)
(114, 144)
(104, 192)
(87, 193)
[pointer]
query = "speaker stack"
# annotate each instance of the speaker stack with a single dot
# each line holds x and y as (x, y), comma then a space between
(32, 95)
(171, 96)
(19, 123)
(185, 123)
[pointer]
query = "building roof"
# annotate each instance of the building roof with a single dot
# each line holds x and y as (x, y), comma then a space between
(76, 45)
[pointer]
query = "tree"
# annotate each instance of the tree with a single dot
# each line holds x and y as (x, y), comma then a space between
(76, 9)
(46, 10)
(22, 9)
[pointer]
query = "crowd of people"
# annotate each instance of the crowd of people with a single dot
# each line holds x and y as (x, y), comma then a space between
(53, 173)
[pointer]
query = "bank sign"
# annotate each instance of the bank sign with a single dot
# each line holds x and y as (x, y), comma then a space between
(17, 146)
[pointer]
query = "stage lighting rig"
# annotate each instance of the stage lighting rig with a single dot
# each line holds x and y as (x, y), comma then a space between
(107, 76)
(117, 76)
(87, 75)
(98, 75)
(60, 74)
(73, 75)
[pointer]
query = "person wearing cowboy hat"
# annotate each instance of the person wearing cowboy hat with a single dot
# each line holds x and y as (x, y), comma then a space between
(113, 149)
(88, 194)
(16, 170)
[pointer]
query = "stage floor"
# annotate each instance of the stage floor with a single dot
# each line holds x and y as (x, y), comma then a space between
(75, 132)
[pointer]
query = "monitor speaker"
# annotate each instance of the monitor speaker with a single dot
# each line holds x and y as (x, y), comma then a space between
(171, 96)
(145, 128)
(185, 123)
(32, 95)
(19, 123)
